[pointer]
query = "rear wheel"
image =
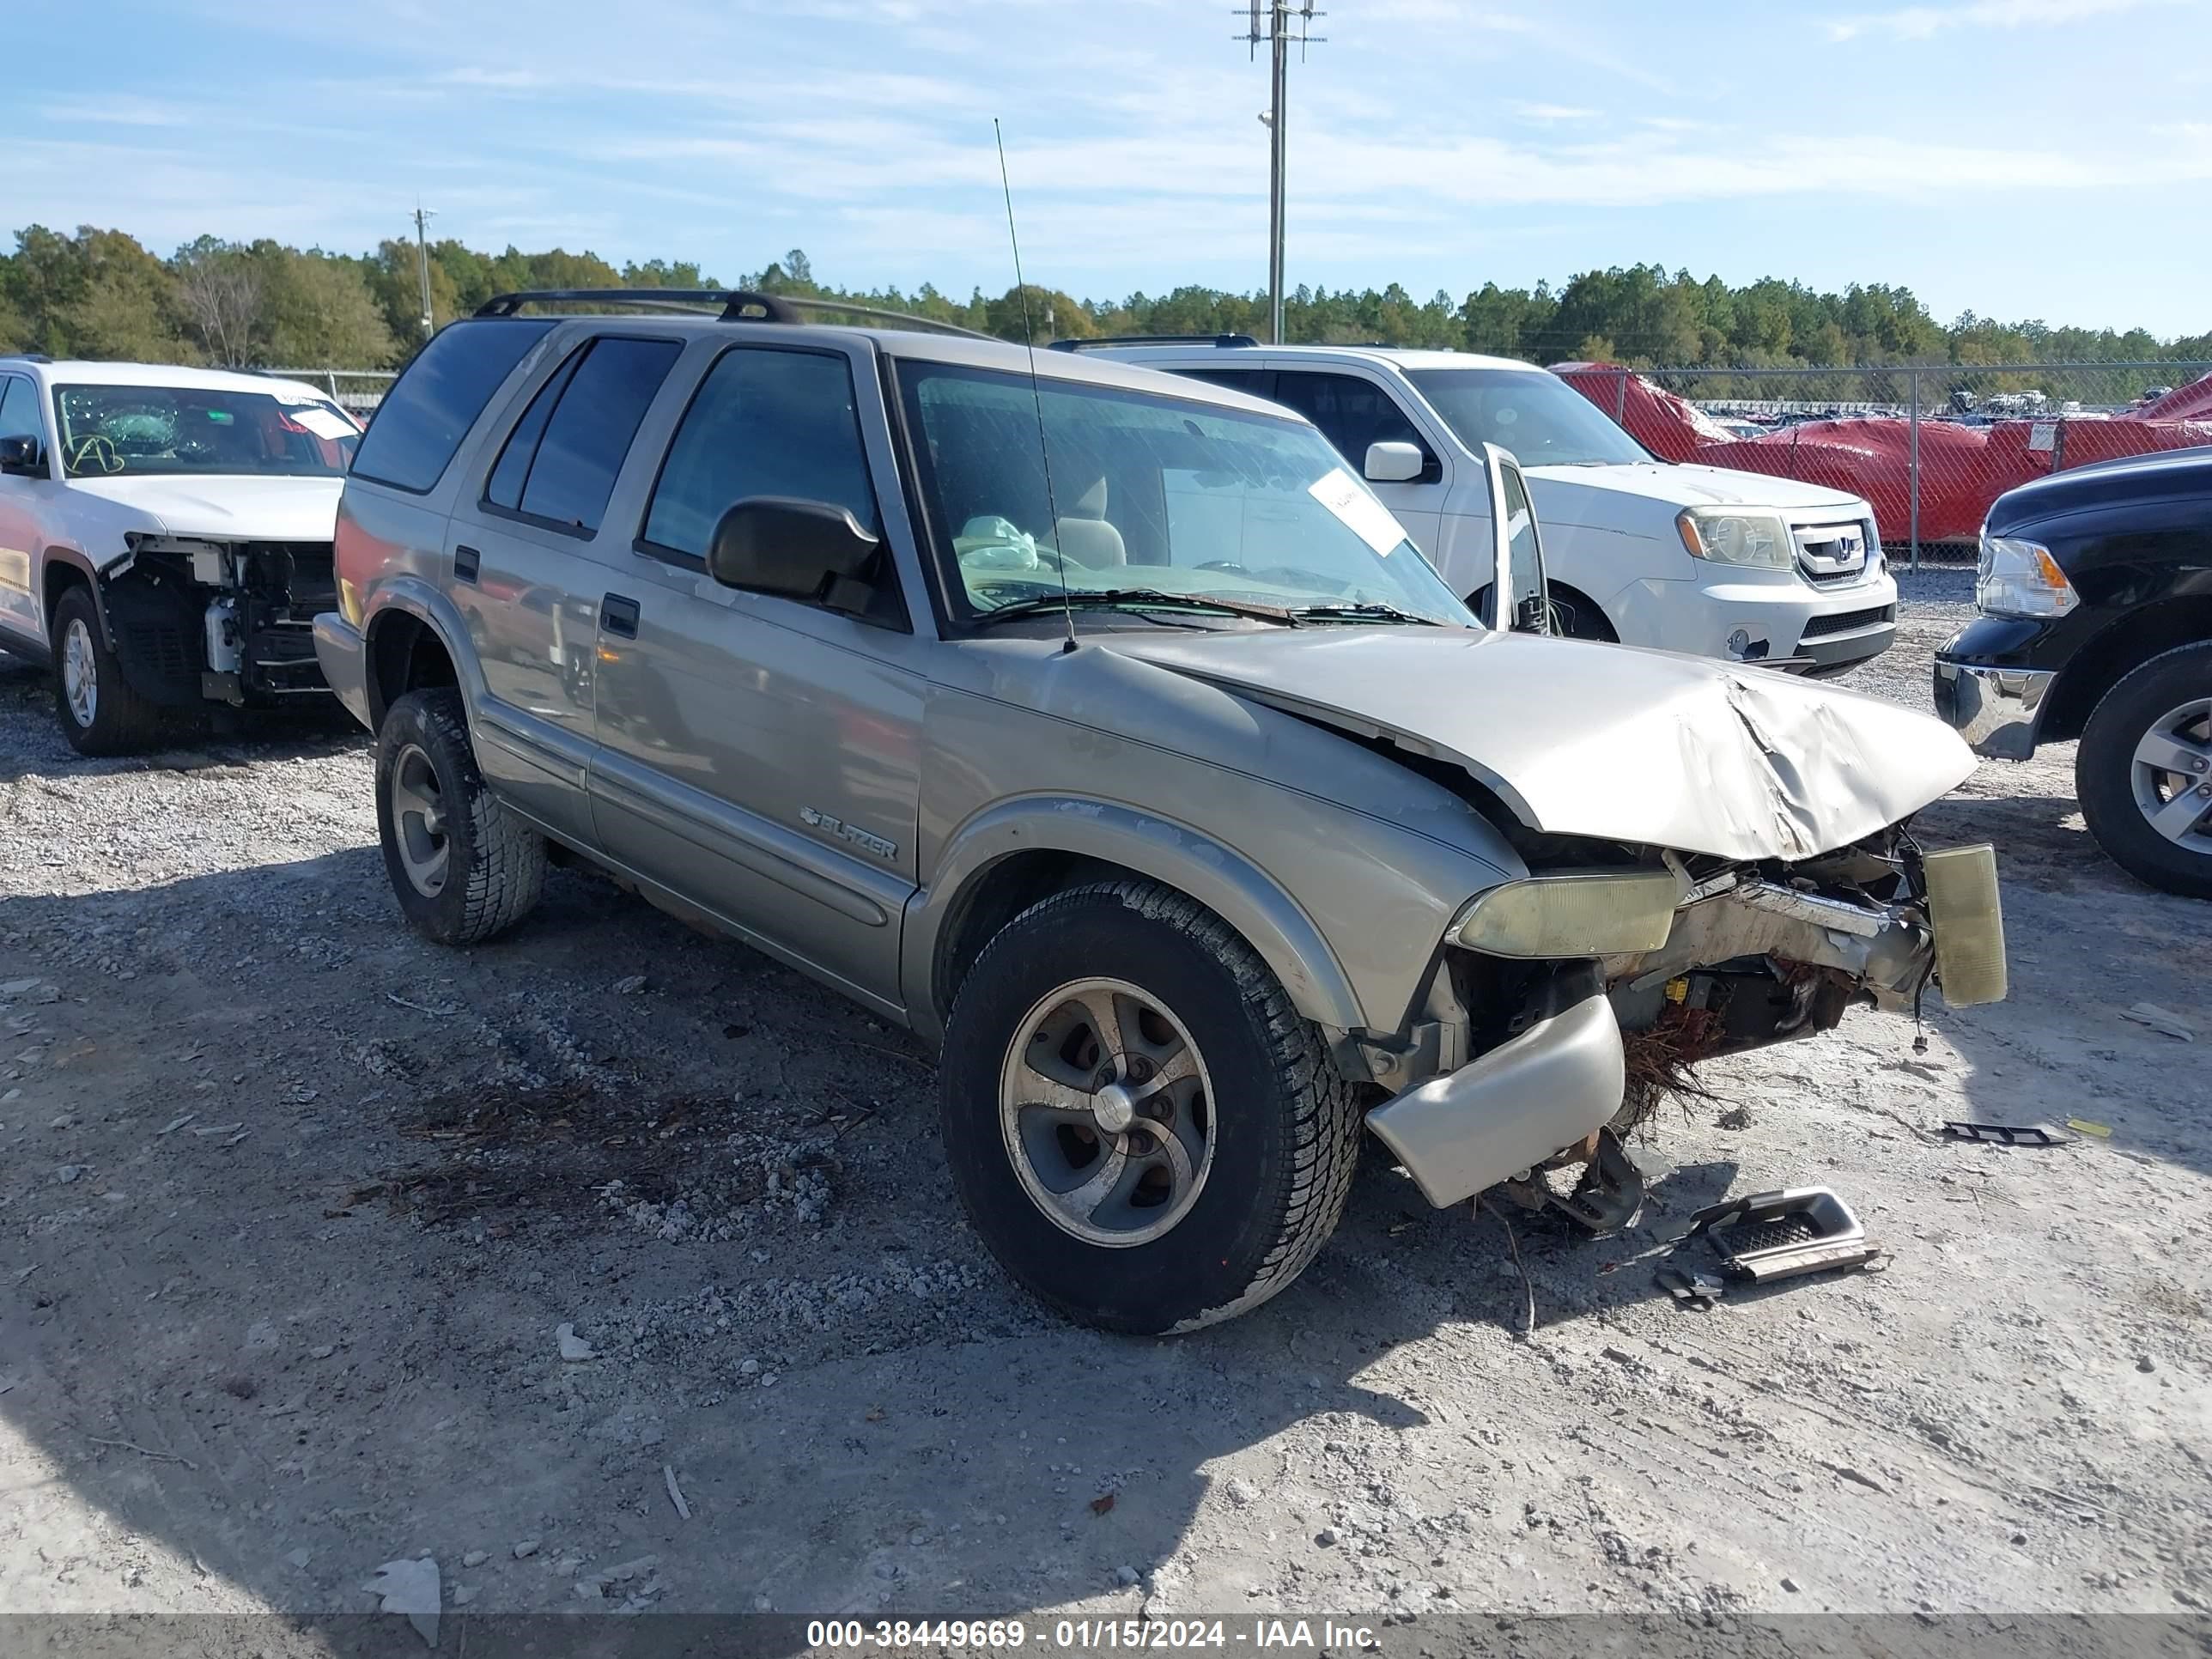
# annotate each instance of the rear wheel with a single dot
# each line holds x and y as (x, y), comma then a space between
(2144, 772)
(100, 715)
(1141, 1128)
(462, 867)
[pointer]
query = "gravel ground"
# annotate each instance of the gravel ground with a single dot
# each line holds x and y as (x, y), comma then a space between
(294, 1209)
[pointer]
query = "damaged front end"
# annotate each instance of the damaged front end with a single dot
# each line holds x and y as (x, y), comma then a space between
(1586, 994)
(197, 620)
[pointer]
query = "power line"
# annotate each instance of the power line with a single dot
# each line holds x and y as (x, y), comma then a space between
(422, 217)
(1278, 25)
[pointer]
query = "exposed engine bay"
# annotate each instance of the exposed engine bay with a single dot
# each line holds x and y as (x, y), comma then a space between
(198, 621)
(1740, 955)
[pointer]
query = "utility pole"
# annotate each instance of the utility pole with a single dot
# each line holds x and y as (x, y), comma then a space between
(422, 217)
(1278, 25)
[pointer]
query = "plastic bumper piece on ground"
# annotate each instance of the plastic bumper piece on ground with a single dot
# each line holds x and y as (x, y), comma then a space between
(344, 656)
(1511, 1109)
(1995, 709)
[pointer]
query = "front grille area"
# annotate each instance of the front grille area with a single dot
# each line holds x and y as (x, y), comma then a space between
(1845, 621)
(1831, 554)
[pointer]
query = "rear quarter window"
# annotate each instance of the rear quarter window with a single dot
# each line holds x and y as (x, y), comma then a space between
(429, 409)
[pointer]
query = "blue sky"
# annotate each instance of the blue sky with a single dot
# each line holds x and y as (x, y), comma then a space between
(2023, 158)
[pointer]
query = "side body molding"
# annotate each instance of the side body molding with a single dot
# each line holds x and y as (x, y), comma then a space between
(1218, 876)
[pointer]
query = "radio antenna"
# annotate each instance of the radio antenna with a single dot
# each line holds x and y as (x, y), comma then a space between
(1036, 392)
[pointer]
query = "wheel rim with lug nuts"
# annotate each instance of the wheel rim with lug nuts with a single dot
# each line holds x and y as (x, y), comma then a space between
(1107, 1112)
(2172, 775)
(418, 821)
(80, 673)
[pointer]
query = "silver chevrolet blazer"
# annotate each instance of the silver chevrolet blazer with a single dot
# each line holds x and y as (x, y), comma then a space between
(1102, 727)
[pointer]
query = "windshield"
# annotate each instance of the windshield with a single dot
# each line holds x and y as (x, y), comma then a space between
(109, 430)
(1175, 498)
(1541, 419)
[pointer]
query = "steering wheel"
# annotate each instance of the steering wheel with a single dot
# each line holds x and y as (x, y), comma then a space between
(95, 449)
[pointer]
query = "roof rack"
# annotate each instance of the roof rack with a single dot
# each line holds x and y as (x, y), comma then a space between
(24, 357)
(1222, 340)
(737, 306)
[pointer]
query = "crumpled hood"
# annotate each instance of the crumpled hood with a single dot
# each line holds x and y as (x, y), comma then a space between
(1602, 740)
(1705, 486)
(227, 506)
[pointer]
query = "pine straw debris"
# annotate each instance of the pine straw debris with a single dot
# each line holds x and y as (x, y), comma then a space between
(1661, 1060)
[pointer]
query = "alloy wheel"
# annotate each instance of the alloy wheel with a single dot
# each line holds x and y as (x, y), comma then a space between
(80, 673)
(418, 821)
(1107, 1112)
(2171, 775)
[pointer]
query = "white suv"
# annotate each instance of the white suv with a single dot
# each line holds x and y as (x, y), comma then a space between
(165, 538)
(1734, 565)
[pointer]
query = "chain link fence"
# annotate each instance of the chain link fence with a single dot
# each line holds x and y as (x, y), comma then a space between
(1928, 446)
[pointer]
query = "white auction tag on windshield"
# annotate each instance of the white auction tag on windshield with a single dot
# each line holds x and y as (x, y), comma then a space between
(325, 423)
(1358, 511)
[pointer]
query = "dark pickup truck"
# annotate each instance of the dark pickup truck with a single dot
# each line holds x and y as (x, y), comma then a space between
(2095, 593)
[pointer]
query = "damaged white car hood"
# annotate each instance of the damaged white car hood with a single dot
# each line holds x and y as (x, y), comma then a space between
(1602, 740)
(229, 506)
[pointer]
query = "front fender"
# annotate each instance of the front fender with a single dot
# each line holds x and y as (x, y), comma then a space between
(1173, 854)
(61, 554)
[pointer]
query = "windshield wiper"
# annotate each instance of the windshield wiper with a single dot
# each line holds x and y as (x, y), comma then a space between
(1129, 598)
(1387, 613)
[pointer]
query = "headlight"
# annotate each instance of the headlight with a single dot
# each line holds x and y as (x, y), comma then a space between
(2018, 578)
(1591, 915)
(1759, 539)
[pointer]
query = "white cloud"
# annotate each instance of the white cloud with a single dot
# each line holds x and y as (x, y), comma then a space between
(1547, 114)
(1919, 22)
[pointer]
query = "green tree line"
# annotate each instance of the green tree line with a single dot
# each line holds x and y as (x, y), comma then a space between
(101, 294)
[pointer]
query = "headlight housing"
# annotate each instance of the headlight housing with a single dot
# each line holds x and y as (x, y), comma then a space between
(1602, 914)
(2015, 577)
(1725, 536)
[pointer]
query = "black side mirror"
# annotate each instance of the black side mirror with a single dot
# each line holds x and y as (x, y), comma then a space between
(807, 551)
(23, 456)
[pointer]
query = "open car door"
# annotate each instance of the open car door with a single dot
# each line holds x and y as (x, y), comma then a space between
(1515, 601)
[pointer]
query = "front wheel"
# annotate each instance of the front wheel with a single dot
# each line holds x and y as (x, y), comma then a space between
(2144, 772)
(462, 867)
(1142, 1128)
(100, 715)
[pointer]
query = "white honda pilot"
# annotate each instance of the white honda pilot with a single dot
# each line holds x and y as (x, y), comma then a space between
(1700, 559)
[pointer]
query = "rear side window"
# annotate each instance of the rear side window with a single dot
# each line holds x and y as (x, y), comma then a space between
(507, 478)
(568, 449)
(1351, 413)
(431, 407)
(764, 422)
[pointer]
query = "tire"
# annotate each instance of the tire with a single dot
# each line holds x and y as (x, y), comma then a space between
(462, 867)
(1269, 1132)
(2171, 695)
(99, 713)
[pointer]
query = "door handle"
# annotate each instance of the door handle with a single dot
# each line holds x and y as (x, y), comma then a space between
(465, 562)
(618, 615)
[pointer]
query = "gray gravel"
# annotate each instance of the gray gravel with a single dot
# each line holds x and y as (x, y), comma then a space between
(292, 1316)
